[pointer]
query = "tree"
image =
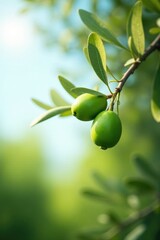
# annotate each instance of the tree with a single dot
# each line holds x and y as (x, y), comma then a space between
(138, 197)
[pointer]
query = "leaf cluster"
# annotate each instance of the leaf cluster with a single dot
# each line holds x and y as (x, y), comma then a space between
(95, 53)
(128, 204)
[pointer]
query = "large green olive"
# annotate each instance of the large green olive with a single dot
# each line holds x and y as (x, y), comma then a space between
(106, 129)
(87, 106)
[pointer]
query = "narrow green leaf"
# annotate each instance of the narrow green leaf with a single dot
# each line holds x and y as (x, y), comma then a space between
(96, 63)
(129, 62)
(85, 50)
(137, 28)
(129, 32)
(131, 44)
(154, 30)
(41, 104)
(146, 169)
(50, 113)
(132, 47)
(81, 90)
(114, 218)
(96, 25)
(67, 85)
(141, 186)
(95, 40)
(155, 102)
(57, 99)
(97, 195)
(110, 72)
(136, 233)
(66, 113)
(97, 56)
(113, 187)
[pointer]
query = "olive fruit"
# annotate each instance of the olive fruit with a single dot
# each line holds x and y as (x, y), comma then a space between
(87, 106)
(106, 129)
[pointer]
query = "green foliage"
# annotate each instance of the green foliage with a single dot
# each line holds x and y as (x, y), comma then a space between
(136, 39)
(97, 195)
(57, 99)
(41, 104)
(96, 25)
(137, 28)
(28, 209)
(154, 30)
(129, 62)
(97, 56)
(147, 170)
(127, 219)
(50, 113)
(140, 185)
(155, 102)
(81, 90)
(67, 85)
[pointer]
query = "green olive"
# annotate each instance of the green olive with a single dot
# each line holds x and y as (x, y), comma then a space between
(106, 129)
(87, 106)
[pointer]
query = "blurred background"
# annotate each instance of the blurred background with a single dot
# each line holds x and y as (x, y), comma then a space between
(43, 169)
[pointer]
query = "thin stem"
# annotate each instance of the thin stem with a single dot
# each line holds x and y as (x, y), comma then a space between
(109, 89)
(131, 220)
(155, 45)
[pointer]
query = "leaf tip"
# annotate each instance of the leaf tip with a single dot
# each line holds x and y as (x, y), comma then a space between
(80, 11)
(32, 124)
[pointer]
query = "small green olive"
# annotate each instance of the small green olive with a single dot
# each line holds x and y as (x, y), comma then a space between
(106, 129)
(87, 106)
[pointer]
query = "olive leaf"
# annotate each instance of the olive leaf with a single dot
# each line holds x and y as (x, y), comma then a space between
(129, 62)
(81, 90)
(50, 113)
(67, 85)
(140, 185)
(136, 39)
(110, 186)
(57, 99)
(132, 47)
(41, 104)
(97, 56)
(155, 101)
(110, 72)
(85, 50)
(96, 25)
(66, 113)
(146, 169)
(137, 28)
(113, 217)
(154, 30)
(97, 195)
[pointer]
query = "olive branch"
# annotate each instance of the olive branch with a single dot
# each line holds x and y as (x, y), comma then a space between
(155, 45)
(132, 219)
